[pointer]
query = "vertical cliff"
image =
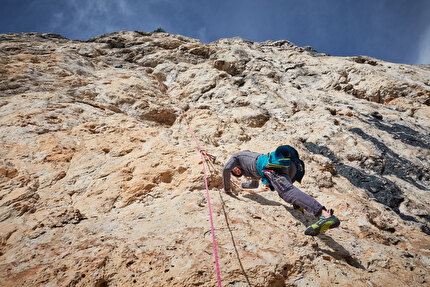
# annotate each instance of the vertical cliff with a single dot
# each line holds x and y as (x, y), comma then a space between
(101, 182)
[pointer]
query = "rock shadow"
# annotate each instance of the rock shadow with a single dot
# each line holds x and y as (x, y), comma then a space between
(379, 188)
(400, 131)
(233, 241)
(262, 200)
(337, 251)
(393, 163)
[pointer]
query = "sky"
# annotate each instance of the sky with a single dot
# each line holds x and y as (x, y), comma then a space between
(391, 30)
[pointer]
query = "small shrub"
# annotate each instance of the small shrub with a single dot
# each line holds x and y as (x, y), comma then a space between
(159, 30)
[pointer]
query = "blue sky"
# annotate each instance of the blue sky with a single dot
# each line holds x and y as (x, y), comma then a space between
(391, 30)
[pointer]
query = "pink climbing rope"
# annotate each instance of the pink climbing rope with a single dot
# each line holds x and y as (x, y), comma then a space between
(207, 192)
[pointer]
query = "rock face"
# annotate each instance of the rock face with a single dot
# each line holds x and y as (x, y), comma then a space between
(102, 185)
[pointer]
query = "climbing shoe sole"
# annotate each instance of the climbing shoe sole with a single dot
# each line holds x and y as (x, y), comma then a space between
(322, 225)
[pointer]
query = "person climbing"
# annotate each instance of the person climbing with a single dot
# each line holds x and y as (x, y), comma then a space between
(279, 170)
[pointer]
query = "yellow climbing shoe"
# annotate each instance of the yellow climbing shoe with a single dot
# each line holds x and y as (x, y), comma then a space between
(322, 225)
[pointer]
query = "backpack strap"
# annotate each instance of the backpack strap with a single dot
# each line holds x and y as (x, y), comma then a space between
(277, 160)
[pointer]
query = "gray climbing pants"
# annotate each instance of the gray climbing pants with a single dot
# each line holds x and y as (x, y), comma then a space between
(291, 194)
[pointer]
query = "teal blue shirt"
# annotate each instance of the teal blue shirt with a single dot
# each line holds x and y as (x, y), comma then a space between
(261, 162)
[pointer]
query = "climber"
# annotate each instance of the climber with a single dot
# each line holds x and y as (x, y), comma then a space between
(279, 170)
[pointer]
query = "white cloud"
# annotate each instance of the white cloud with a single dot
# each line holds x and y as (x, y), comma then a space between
(202, 34)
(58, 17)
(125, 8)
(83, 19)
(94, 14)
(424, 48)
(95, 17)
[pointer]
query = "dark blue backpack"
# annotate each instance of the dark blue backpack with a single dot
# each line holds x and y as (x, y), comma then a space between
(283, 156)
